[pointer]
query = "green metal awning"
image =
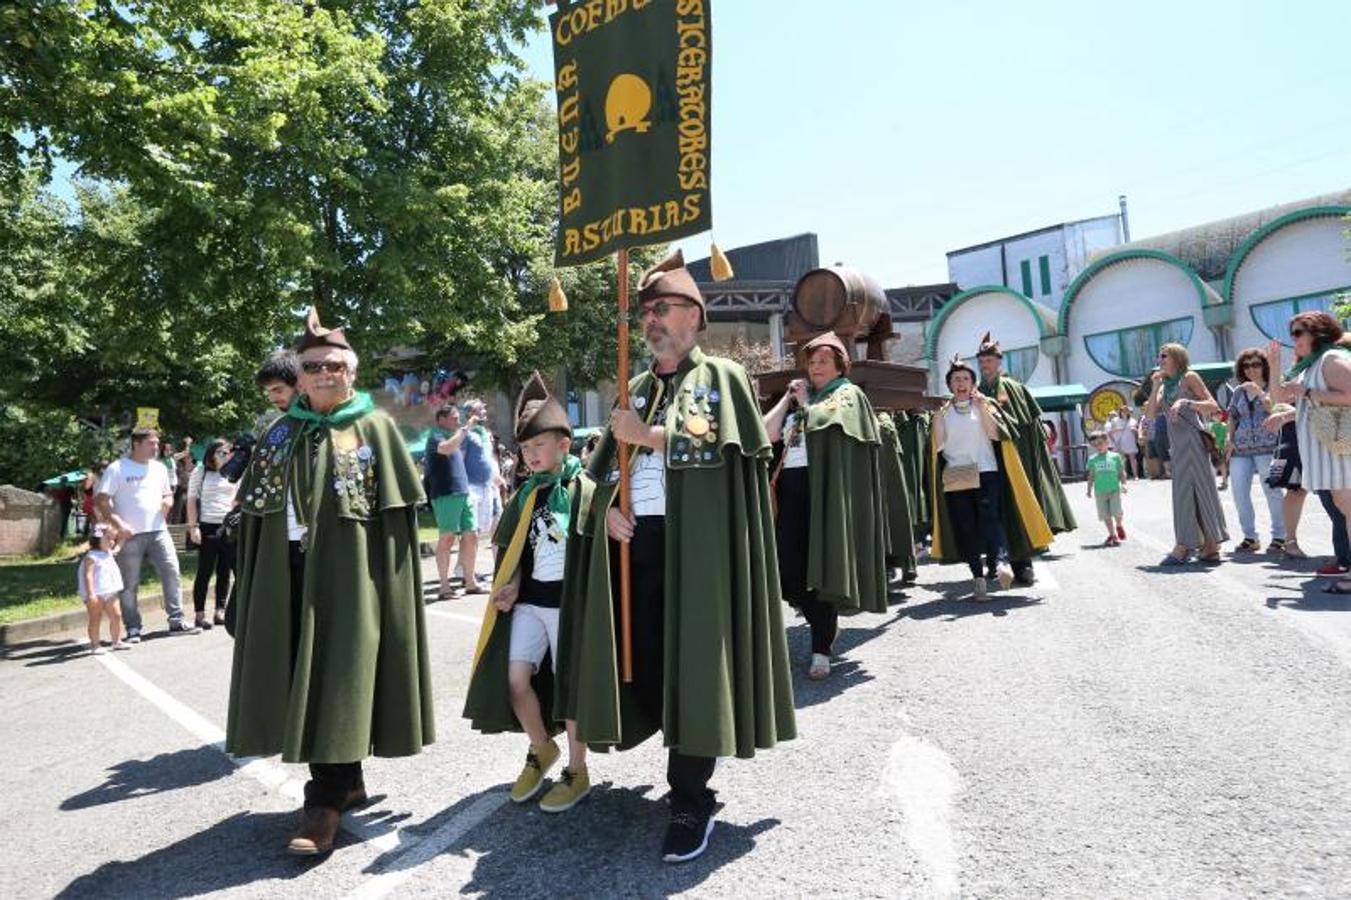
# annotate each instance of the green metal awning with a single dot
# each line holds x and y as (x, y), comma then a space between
(1059, 397)
(1214, 373)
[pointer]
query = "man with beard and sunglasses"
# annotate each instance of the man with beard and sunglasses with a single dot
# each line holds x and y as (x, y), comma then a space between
(710, 658)
(330, 661)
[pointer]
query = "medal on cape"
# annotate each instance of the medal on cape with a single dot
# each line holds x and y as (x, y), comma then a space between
(696, 426)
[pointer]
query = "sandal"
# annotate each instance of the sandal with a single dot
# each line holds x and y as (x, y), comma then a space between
(1250, 545)
(1292, 550)
(1336, 588)
(1171, 560)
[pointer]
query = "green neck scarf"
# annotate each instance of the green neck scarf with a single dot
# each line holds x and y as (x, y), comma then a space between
(560, 504)
(990, 387)
(343, 414)
(1171, 386)
(1306, 362)
(818, 396)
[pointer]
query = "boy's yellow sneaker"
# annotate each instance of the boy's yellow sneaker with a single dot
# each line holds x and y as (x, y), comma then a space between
(538, 760)
(570, 790)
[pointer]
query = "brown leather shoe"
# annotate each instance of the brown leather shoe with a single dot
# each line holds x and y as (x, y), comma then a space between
(355, 797)
(318, 828)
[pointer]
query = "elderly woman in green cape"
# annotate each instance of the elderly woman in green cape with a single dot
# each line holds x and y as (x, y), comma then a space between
(710, 658)
(831, 527)
(1022, 417)
(330, 657)
(511, 688)
(982, 501)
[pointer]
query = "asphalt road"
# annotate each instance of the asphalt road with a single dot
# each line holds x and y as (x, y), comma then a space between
(1116, 730)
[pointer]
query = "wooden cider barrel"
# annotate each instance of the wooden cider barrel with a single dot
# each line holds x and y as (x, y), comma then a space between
(839, 299)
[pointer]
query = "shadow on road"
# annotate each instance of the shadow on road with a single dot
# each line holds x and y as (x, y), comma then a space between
(844, 674)
(953, 608)
(242, 850)
(46, 653)
(1313, 599)
(165, 772)
(610, 845)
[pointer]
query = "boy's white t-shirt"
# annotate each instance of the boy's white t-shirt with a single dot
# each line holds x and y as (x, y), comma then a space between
(137, 491)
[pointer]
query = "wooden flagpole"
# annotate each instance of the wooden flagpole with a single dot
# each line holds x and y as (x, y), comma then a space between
(625, 498)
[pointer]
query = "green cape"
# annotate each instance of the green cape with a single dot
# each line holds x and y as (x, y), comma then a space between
(487, 703)
(353, 678)
(900, 520)
(913, 428)
(728, 690)
(846, 556)
(1025, 527)
(1024, 418)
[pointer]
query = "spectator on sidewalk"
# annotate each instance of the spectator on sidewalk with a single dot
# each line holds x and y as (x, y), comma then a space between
(89, 489)
(1121, 435)
(99, 585)
(210, 497)
(480, 465)
(134, 498)
(277, 376)
(64, 496)
(448, 490)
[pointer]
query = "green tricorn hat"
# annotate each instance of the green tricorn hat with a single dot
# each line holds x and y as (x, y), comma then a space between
(538, 412)
(670, 278)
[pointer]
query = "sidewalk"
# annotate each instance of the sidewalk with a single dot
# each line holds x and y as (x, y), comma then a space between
(71, 623)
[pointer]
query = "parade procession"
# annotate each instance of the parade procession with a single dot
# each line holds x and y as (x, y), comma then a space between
(537, 545)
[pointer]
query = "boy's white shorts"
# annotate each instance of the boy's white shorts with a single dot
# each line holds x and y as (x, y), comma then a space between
(534, 629)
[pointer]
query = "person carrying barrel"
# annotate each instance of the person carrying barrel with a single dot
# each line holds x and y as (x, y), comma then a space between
(1023, 418)
(831, 524)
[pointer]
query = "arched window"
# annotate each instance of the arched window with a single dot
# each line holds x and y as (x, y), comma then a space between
(1133, 352)
(1273, 317)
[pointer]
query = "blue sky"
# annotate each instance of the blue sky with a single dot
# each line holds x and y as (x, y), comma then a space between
(898, 131)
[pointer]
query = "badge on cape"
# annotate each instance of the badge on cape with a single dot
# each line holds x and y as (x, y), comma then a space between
(697, 426)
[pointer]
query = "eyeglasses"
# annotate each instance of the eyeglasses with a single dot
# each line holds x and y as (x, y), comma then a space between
(333, 367)
(1297, 333)
(661, 309)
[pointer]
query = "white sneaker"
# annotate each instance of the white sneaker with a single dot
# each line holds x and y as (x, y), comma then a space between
(121, 645)
(820, 667)
(978, 590)
(100, 650)
(1005, 575)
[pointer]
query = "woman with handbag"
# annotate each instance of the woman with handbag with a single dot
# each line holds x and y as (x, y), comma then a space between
(1319, 384)
(210, 498)
(1182, 397)
(965, 433)
(830, 523)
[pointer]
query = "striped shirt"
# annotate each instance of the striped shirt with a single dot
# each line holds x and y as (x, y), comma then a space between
(1323, 470)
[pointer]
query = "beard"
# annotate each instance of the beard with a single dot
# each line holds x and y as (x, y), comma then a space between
(660, 342)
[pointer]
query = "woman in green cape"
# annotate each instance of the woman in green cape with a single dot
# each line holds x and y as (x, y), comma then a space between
(831, 524)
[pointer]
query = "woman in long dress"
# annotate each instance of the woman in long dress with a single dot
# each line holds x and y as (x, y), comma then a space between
(1181, 396)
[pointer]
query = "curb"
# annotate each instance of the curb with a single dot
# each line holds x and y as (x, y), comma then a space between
(71, 620)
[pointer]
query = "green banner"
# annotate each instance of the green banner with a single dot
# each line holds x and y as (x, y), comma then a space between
(633, 79)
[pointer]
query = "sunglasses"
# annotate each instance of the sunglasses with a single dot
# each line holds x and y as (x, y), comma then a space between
(333, 368)
(661, 309)
(1297, 333)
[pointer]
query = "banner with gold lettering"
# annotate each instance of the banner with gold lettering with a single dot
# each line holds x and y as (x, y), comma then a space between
(633, 79)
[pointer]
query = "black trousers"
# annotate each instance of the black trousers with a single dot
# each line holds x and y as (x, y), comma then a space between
(792, 531)
(976, 520)
(214, 557)
(688, 776)
(329, 783)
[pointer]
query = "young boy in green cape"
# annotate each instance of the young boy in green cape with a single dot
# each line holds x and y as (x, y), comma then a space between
(511, 688)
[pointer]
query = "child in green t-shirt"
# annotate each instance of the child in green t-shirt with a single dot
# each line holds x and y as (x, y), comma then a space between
(1219, 429)
(1107, 479)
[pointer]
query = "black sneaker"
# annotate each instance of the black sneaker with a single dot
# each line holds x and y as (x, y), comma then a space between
(686, 836)
(133, 636)
(181, 627)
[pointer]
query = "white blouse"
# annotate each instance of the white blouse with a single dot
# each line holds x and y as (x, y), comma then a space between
(965, 441)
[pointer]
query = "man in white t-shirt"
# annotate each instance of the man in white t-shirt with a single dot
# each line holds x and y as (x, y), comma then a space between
(134, 496)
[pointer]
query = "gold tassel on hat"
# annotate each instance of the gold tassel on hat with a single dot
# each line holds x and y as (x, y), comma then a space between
(719, 266)
(558, 301)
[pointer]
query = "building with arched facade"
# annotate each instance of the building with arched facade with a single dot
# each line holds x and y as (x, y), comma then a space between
(1215, 288)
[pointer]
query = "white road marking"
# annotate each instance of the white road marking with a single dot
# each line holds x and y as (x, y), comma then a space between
(457, 617)
(407, 864)
(1046, 580)
(269, 774)
(923, 778)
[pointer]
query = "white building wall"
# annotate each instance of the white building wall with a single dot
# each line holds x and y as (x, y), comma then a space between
(1305, 257)
(1004, 316)
(1084, 240)
(1031, 250)
(975, 268)
(1128, 294)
